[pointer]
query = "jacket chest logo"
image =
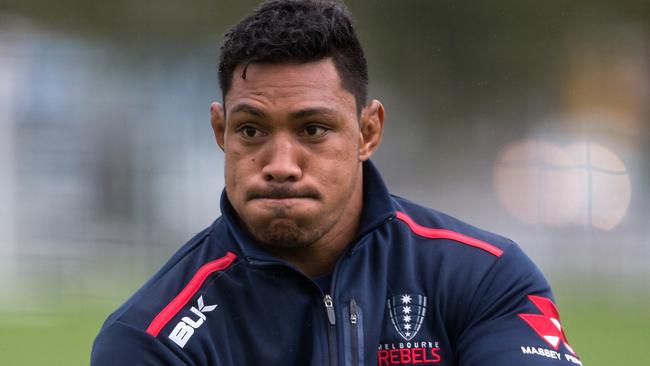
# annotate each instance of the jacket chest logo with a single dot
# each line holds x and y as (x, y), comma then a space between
(407, 313)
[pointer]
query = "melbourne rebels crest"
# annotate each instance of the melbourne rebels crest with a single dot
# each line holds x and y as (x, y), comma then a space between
(407, 313)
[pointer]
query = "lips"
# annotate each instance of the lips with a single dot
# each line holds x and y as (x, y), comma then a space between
(282, 192)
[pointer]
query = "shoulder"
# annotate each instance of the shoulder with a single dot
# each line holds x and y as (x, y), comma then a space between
(462, 255)
(201, 257)
(432, 225)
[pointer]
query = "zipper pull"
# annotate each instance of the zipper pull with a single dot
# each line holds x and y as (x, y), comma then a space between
(329, 306)
(353, 311)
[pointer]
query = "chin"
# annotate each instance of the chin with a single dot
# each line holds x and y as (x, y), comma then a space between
(285, 236)
(286, 233)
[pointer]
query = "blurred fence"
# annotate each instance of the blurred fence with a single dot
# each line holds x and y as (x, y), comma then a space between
(529, 120)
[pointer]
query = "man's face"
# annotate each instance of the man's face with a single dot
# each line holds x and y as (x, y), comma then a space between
(293, 150)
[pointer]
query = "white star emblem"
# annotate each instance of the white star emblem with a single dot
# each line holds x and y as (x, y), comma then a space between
(408, 334)
(407, 310)
(406, 299)
(407, 318)
(407, 326)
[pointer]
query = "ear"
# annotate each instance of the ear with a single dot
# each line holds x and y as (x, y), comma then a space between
(371, 129)
(218, 122)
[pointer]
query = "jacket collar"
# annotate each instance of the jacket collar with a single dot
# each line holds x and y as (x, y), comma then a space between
(377, 209)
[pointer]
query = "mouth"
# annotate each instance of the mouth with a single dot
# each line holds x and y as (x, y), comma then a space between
(284, 195)
(286, 203)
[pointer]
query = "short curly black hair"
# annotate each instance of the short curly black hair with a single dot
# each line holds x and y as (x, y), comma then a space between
(297, 31)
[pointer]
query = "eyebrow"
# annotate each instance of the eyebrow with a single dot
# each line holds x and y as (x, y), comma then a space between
(308, 112)
(247, 108)
(303, 113)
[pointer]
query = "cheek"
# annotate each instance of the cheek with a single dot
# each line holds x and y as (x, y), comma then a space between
(238, 169)
(342, 147)
(336, 167)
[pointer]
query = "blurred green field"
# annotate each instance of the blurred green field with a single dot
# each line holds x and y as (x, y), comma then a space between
(605, 330)
(608, 334)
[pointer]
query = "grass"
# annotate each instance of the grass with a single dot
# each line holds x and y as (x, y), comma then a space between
(603, 330)
(58, 338)
(608, 333)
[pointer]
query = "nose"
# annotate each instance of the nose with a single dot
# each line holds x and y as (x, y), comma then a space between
(283, 160)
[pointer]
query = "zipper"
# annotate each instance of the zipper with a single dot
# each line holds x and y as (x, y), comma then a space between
(327, 300)
(331, 329)
(354, 332)
(329, 307)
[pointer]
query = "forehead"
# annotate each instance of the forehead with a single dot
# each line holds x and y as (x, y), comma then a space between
(290, 86)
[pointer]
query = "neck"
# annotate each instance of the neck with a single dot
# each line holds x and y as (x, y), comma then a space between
(320, 257)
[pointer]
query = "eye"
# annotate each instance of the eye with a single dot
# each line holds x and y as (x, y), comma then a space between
(315, 131)
(250, 132)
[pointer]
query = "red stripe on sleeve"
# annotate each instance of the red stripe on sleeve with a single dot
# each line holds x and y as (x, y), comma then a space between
(159, 322)
(448, 234)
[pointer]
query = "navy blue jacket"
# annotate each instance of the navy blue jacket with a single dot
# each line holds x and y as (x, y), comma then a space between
(415, 287)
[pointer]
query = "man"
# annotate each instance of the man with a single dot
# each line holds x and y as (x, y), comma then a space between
(313, 261)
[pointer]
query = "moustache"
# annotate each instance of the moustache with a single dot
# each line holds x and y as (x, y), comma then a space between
(279, 192)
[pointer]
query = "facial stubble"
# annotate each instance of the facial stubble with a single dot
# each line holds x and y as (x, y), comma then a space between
(284, 232)
(289, 233)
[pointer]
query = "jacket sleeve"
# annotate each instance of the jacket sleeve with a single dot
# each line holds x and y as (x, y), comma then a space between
(121, 344)
(512, 319)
